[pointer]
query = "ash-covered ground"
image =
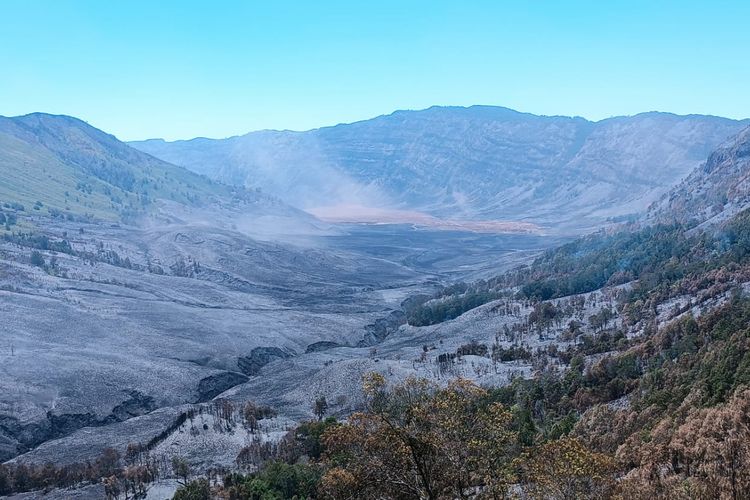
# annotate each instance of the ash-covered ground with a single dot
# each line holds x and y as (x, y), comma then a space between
(108, 340)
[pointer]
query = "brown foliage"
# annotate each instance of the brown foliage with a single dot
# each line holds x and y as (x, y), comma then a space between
(420, 441)
(705, 456)
(565, 469)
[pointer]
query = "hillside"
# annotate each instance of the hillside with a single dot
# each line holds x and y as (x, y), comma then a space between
(69, 168)
(147, 288)
(479, 162)
(648, 363)
(612, 366)
(714, 192)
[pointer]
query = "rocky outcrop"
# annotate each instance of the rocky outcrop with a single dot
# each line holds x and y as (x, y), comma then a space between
(260, 357)
(376, 332)
(8, 447)
(138, 404)
(713, 192)
(323, 345)
(17, 438)
(213, 385)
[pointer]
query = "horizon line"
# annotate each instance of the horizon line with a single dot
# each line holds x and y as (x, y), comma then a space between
(383, 115)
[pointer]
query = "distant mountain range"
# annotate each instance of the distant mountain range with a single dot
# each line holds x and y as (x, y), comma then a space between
(447, 166)
(475, 163)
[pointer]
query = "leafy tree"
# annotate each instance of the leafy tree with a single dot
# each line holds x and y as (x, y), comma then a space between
(37, 259)
(421, 441)
(181, 469)
(320, 407)
(525, 424)
(275, 481)
(310, 434)
(194, 490)
(565, 469)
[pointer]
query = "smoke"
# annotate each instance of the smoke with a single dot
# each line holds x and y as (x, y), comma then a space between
(296, 169)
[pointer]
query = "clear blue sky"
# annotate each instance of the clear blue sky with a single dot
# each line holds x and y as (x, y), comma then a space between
(143, 69)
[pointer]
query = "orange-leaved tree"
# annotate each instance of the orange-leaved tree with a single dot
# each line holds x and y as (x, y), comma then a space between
(418, 440)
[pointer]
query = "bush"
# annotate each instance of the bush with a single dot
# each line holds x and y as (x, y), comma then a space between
(276, 481)
(37, 259)
(195, 490)
(309, 434)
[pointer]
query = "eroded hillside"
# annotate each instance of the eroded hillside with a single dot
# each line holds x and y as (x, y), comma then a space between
(476, 163)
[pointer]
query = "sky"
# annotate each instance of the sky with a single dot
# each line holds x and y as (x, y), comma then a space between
(181, 69)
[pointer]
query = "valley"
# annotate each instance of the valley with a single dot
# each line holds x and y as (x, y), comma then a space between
(174, 319)
(374, 250)
(127, 320)
(354, 214)
(476, 163)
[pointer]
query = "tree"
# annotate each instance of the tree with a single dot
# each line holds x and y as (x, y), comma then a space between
(5, 485)
(107, 463)
(133, 452)
(309, 435)
(526, 428)
(421, 441)
(195, 490)
(181, 469)
(708, 456)
(275, 481)
(112, 487)
(249, 413)
(37, 259)
(290, 481)
(136, 479)
(320, 407)
(565, 469)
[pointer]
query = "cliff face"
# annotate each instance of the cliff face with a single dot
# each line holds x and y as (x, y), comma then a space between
(714, 191)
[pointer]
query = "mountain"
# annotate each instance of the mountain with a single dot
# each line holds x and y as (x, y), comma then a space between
(715, 191)
(480, 162)
(639, 342)
(132, 287)
(185, 336)
(62, 165)
(617, 365)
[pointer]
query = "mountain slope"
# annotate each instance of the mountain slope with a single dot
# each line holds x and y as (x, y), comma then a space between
(627, 341)
(73, 168)
(716, 190)
(480, 162)
(102, 321)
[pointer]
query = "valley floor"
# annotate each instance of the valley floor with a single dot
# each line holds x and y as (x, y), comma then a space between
(119, 331)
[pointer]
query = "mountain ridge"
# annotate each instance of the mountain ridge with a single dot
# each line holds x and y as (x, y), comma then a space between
(575, 341)
(74, 169)
(480, 162)
(418, 110)
(714, 191)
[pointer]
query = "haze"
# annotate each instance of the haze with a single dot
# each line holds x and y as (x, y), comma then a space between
(374, 250)
(178, 70)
